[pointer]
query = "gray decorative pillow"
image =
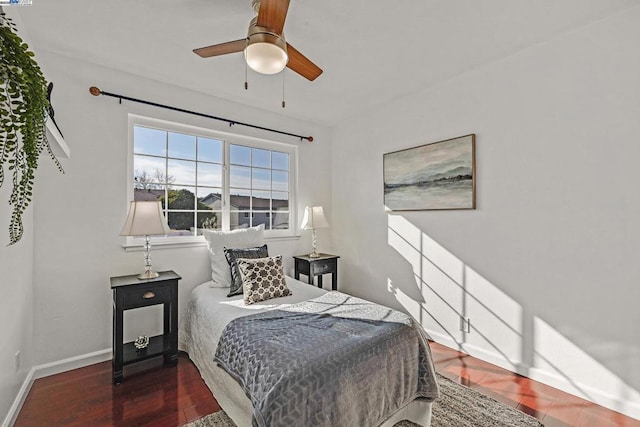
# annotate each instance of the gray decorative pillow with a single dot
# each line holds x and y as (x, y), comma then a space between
(262, 279)
(232, 256)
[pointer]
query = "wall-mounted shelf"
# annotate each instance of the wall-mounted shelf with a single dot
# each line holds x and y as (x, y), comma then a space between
(56, 141)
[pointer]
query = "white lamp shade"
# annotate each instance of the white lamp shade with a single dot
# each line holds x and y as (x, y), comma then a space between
(314, 218)
(266, 58)
(145, 219)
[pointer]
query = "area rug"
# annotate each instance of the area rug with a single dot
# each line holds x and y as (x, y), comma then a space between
(457, 406)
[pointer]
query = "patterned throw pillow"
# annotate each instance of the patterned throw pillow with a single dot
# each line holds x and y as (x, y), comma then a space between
(233, 255)
(262, 279)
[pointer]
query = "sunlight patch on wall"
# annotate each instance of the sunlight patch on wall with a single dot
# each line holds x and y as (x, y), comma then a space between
(501, 331)
(412, 306)
(442, 296)
(496, 319)
(405, 238)
(452, 291)
(554, 353)
(443, 299)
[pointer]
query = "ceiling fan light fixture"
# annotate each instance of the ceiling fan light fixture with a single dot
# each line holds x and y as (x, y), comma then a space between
(266, 53)
(265, 49)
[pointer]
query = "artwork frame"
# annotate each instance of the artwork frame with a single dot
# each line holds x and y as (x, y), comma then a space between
(434, 176)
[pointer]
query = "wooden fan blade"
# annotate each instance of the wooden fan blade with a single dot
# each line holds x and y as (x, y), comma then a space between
(301, 64)
(272, 14)
(222, 48)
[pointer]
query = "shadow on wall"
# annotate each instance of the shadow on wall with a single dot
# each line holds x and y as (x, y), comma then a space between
(499, 329)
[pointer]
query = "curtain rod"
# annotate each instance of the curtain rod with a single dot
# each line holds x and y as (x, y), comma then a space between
(96, 92)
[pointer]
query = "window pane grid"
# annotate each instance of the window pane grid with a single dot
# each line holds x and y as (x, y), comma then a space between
(176, 158)
(255, 169)
(187, 173)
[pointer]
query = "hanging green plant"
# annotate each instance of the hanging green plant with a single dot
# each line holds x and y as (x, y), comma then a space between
(23, 116)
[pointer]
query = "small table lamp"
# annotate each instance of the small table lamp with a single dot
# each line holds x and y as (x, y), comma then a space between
(145, 219)
(314, 218)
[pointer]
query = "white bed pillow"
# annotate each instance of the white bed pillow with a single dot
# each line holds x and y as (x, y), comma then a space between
(236, 239)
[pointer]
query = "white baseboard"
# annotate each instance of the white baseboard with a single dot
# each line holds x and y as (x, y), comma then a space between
(71, 363)
(480, 353)
(52, 368)
(19, 400)
(608, 400)
(615, 403)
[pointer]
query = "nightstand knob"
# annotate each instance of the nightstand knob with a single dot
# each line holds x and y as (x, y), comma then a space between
(148, 295)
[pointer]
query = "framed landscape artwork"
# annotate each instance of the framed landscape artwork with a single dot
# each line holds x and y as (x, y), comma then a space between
(440, 175)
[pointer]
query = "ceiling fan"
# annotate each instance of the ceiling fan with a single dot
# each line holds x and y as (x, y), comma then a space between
(265, 48)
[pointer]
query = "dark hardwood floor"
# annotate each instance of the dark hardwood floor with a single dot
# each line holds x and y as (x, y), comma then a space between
(553, 407)
(161, 396)
(166, 396)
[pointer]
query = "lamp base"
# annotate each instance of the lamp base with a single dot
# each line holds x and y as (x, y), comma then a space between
(148, 272)
(148, 275)
(314, 245)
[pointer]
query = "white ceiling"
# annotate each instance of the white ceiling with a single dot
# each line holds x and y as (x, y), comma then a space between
(372, 52)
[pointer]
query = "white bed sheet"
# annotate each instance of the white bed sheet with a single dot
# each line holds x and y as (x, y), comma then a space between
(206, 316)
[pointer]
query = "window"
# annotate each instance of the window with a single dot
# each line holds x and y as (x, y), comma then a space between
(208, 179)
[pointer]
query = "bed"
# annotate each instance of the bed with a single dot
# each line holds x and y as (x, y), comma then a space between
(277, 352)
(207, 314)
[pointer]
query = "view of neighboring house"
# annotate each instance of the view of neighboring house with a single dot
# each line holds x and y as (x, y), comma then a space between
(245, 211)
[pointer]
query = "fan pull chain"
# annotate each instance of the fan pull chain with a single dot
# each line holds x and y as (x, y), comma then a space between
(283, 103)
(246, 85)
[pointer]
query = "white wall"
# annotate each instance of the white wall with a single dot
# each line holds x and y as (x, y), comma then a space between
(80, 213)
(17, 300)
(16, 303)
(547, 265)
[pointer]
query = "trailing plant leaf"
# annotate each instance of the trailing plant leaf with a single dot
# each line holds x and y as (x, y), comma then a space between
(23, 116)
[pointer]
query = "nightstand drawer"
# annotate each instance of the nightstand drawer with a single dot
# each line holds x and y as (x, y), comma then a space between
(322, 267)
(316, 267)
(140, 296)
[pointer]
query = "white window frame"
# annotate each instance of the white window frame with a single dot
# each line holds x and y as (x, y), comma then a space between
(227, 138)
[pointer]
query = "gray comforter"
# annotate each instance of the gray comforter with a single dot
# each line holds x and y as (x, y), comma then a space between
(335, 360)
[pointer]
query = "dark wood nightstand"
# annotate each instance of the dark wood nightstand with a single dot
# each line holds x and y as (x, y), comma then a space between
(311, 267)
(130, 292)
